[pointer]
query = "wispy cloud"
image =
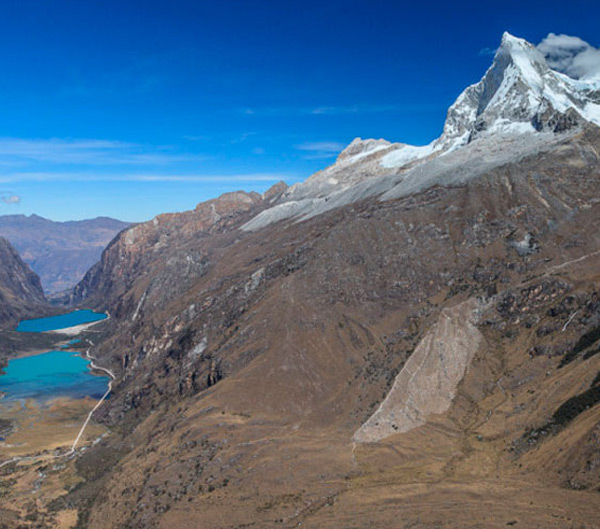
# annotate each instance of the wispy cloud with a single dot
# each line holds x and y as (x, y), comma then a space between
(243, 137)
(354, 109)
(94, 160)
(330, 110)
(250, 177)
(200, 137)
(316, 150)
(327, 146)
(486, 52)
(141, 177)
(84, 152)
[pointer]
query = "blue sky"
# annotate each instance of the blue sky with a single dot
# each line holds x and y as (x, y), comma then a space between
(133, 108)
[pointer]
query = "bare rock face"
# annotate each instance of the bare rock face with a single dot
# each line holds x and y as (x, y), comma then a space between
(21, 292)
(275, 191)
(429, 380)
(166, 234)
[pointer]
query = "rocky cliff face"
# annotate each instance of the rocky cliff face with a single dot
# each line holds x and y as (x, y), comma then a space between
(416, 344)
(21, 292)
(59, 252)
(170, 245)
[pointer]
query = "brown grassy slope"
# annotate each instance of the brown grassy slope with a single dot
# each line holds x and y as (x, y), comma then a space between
(247, 362)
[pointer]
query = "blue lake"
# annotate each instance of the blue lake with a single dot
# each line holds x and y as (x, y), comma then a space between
(49, 375)
(63, 321)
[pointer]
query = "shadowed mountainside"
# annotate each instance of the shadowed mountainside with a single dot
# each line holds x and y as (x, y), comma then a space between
(21, 293)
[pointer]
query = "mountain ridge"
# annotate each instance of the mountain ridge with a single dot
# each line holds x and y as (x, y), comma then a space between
(234, 347)
(520, 100)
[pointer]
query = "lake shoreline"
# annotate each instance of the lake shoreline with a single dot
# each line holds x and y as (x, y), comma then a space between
(63, 341)
(78, 329)
(48, 414)
(69, 323)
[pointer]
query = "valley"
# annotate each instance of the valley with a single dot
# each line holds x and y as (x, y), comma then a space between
(44, 392)
(48, 401)
(59, 252)
(407, 339)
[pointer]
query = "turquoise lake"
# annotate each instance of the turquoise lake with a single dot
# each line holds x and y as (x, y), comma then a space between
(55, 373)
(63, 321)
(49, 375)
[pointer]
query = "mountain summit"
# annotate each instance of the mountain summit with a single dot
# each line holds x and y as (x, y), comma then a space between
(519, 107)
(519, 94)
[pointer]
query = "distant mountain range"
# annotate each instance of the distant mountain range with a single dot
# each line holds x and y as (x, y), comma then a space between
(59, 252)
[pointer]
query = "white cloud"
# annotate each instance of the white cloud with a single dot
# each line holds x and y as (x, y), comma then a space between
(326, 146)
(317, 150)
(93, 160)
(201, 137)
(324, 110)
(9, 198)
(571, 56)
(486, 52)
(251, 177)
(353, 109)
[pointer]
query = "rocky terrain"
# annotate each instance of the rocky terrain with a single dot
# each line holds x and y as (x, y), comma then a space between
(21, 292)
(59, 252)
(410, 344)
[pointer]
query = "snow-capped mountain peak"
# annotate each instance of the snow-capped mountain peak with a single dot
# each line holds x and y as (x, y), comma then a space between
(520, 105)
(519, 94)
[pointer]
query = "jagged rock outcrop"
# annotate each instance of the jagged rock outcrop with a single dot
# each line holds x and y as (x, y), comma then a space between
(165, 234)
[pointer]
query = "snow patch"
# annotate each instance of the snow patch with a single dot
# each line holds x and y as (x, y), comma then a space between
(406, 154)
(199, 348)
